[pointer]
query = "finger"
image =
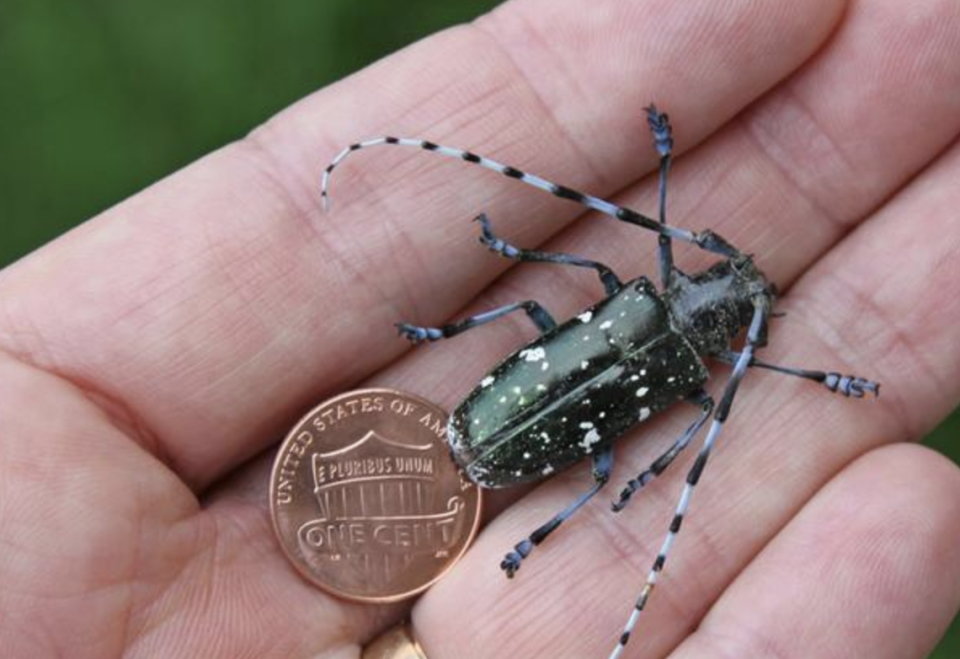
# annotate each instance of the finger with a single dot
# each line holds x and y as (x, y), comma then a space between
(881, 321)
(106, 553)
(869, 568)
(89, 523)
(213, 304)
(887, 298)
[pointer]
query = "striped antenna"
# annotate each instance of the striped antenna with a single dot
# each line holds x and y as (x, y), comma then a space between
(706, 240)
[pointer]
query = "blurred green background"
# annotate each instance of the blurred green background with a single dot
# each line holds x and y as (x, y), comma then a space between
(98, 99)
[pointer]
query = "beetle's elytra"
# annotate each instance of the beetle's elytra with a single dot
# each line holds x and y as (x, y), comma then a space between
(575, 389)
(583, 383)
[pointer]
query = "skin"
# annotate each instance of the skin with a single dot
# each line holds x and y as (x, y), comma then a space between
(171, 341)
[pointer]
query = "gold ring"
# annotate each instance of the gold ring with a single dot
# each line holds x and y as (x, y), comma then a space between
(395, 643)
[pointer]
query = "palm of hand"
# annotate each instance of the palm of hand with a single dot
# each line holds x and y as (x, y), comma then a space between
(151, 353)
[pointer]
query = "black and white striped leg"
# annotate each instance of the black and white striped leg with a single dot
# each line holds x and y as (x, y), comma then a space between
(611, 283)
(663, 140)
(850, 386)
(417, 334)
(602, 466)
(754, 334)
(659, 465)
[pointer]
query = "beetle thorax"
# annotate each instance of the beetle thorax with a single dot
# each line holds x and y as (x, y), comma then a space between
(712, 306)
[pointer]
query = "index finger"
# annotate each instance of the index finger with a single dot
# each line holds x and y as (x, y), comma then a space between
(212, 307)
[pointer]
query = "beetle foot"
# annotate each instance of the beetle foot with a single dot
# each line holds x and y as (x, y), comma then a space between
(417, 334)
(660, 127)
(624, 499)
(621, 503)
(493, 243)
(851, 386)
(632, 486)
(511, 562)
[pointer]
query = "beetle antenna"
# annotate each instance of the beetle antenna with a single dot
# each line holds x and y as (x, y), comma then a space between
(706, 240)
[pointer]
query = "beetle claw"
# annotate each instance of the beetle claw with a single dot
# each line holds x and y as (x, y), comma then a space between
(416, 334)
(511, 563)
(621, 503)
(850, 385)
(410, 332)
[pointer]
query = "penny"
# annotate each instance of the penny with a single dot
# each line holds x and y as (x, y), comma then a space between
(365, 499)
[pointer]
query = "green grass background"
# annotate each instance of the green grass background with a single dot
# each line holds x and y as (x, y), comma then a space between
(98, 99)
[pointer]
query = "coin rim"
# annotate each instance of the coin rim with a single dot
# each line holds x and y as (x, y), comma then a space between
(308, 575)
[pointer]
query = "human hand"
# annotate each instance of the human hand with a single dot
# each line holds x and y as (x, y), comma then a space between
(150, 354)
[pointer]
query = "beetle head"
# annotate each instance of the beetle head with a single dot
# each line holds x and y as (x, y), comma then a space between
(713, 306)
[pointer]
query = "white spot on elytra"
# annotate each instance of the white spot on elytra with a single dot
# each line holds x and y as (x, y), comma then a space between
(642, 391)
(503, 399)
(517, 390)
(644, 413)
(601, 415)
(487, 381)
(545, 437)
(584, 364)
(586, 337)
(607, 324)
(541, 387)
(585, 316)
(671, 379)
(526, 456)
(634, 378)
(586, 425)
(547, 470)
(643, 371)
(544, 366)
(533, 354)
(591, 438)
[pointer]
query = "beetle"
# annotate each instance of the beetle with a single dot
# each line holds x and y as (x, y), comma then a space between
(583, 383)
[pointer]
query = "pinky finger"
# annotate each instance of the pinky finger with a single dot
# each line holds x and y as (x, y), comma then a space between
(870, 567)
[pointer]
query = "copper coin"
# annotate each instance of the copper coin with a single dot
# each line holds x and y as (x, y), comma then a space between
(365, 499)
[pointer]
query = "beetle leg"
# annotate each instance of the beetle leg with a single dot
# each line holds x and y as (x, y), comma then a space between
(611, 283)
(761, 308)
(663, 140)
(850, 386)
(660, 464)
(602, 466)
(540, 317)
